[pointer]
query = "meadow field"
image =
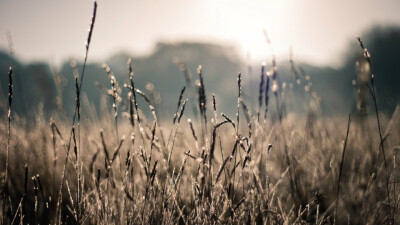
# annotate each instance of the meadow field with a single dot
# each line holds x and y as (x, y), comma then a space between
(266, 164)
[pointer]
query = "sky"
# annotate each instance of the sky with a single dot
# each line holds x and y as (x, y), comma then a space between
(317, 30)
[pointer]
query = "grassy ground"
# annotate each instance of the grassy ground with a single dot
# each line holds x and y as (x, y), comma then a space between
(265, 166)
(221, 171)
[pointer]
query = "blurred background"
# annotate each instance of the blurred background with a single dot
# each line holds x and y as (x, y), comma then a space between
(44, 40)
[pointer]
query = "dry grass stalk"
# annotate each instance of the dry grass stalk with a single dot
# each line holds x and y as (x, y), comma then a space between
(202, 98)
(341, 166)
(79, 86)
(239, 81)
(179, 104)
(261, 91)
(367, 57)
(133, 93)
(10, 98)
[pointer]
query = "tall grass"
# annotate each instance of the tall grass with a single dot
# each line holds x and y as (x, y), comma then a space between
(211, 170)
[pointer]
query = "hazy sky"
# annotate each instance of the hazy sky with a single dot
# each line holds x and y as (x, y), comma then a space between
(318, 30)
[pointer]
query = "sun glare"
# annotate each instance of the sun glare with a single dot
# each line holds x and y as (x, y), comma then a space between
(243, 23)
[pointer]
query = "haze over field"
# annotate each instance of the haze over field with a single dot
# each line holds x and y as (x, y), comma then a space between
(221, 63)
(319, 31)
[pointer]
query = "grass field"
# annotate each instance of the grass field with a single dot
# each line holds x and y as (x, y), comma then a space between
(266, 165)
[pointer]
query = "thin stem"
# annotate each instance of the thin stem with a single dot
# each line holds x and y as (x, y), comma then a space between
(341, 166)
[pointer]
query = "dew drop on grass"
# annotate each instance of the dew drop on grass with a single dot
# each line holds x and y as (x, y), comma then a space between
(275, 87)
